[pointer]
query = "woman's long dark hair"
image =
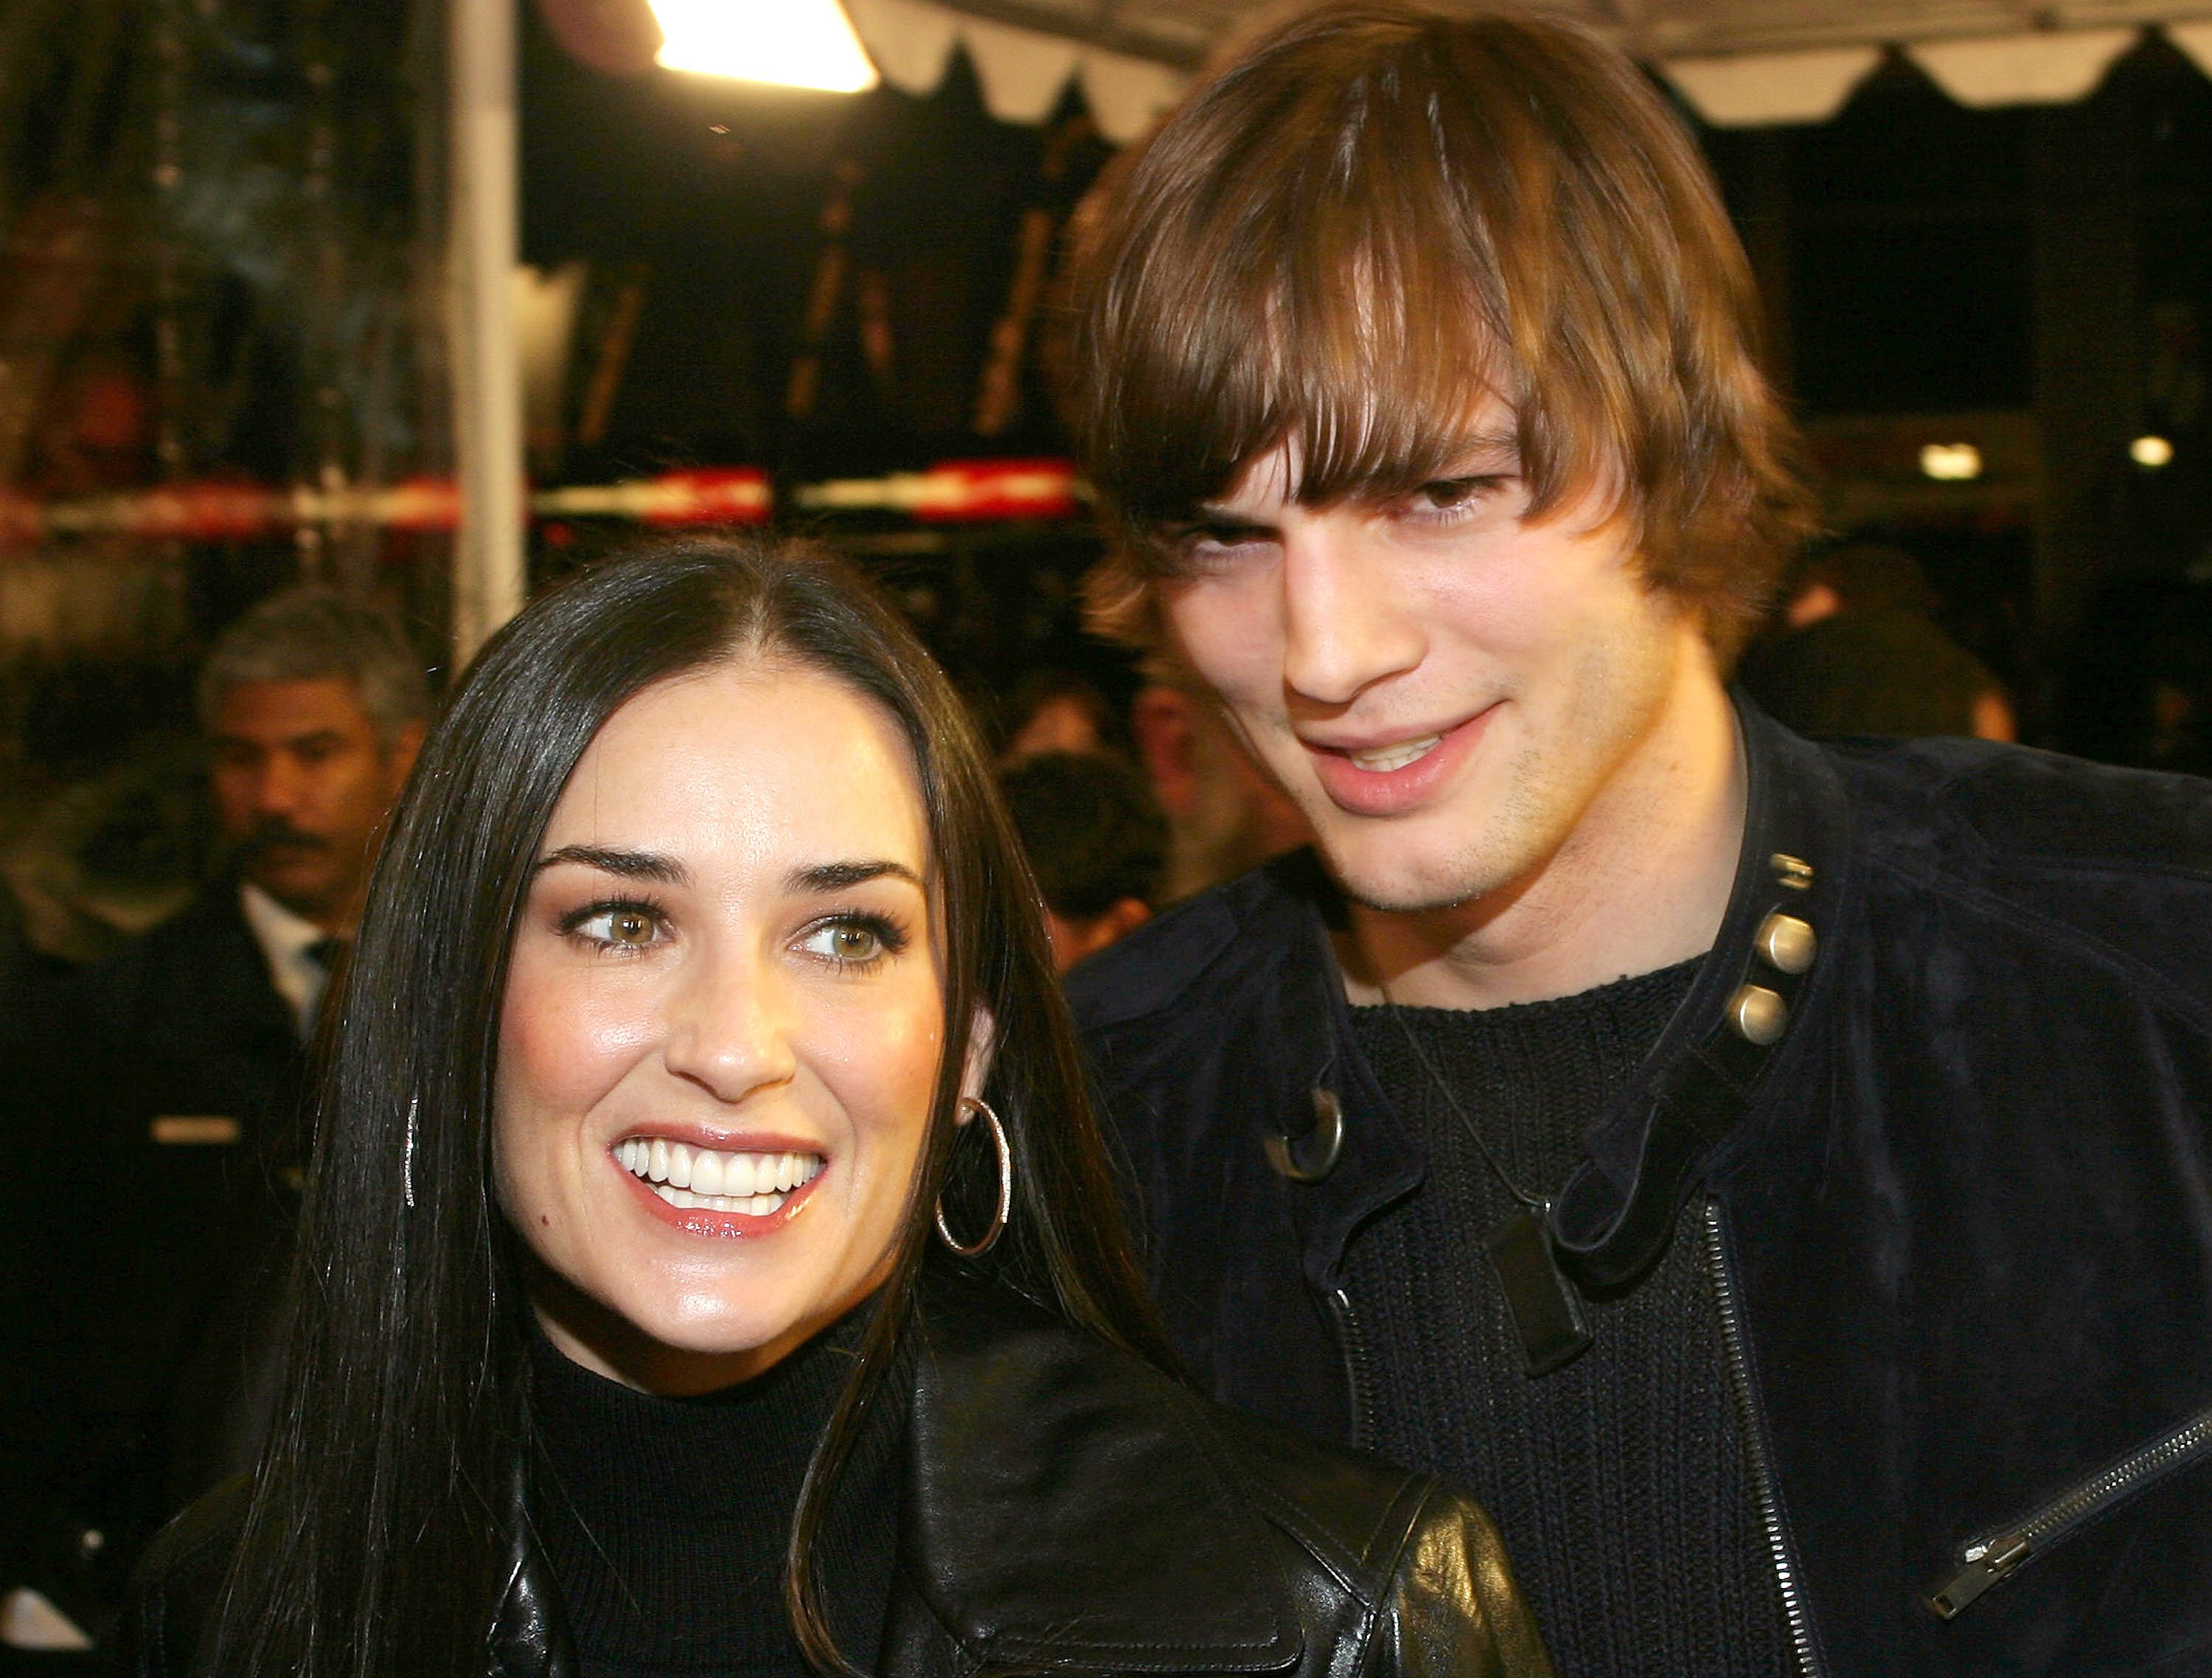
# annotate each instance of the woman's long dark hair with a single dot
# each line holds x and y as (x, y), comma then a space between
(376, 1538)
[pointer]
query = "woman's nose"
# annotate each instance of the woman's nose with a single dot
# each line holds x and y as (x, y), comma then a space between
(730, 1026)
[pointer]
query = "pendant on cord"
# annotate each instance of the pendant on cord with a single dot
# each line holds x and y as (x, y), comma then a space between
(1548, 1313)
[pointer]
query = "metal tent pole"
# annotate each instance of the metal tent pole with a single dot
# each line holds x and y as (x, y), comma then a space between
(489, 571)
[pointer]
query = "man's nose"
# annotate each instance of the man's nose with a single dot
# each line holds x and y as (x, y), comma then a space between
(1343, 631)
(731, 1022)
(277, 786)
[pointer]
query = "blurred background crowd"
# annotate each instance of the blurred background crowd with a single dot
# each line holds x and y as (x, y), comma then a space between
(223, 370)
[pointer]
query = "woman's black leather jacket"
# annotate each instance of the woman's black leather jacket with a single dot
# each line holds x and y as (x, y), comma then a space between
(1068, 1509)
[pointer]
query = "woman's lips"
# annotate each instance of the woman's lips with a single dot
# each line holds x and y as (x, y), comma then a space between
(751, 1193)
(1393, 779)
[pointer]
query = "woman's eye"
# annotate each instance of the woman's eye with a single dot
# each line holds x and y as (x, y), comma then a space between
(618, 928)
(850, 943)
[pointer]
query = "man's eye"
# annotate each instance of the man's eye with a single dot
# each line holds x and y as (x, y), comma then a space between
(1447, 494)
(1198, 548)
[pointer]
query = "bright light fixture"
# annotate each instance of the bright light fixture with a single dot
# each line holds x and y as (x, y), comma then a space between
(2152, 451)
(792, 43)
(1951, 463)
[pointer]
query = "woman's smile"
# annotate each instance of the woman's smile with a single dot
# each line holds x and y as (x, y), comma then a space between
(739, 1193)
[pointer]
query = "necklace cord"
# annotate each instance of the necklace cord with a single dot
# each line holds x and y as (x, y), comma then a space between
(1534, 1203)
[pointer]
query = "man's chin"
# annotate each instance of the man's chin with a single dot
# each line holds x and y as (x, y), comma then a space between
(1402, 891)
(1412, 901)
(1393, 873)
(308, 895)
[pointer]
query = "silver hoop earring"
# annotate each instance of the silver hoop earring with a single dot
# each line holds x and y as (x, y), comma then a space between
(1006, 1187)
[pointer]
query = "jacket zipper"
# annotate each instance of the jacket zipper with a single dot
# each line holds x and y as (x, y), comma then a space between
(1794, 1608)
(1352, 1345)
(1996, 1554)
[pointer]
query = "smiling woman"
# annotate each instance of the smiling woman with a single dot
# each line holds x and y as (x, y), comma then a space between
(711, 1263)
(726, 984)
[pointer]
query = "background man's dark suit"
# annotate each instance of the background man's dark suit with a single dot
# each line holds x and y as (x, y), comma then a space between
(157, 1116)
(164, 1098)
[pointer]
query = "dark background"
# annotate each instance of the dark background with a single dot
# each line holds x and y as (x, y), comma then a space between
(228, 215)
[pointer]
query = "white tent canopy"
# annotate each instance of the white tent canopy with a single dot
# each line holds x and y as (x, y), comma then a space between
(1023, 71)
(1740, 62)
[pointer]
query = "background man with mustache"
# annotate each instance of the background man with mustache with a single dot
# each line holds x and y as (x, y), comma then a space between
(173, 1079)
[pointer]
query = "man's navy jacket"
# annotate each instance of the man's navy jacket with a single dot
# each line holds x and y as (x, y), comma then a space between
(1961, 1209)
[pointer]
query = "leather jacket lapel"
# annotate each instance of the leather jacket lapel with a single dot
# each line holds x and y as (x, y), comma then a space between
(529, 1633)
(1653, 1146)
(1052, 1519)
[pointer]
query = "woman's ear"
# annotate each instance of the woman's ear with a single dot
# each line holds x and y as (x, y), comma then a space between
(982, 1041)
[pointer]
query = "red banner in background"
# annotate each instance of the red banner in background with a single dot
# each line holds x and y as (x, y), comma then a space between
(960, 491)
(952, 492)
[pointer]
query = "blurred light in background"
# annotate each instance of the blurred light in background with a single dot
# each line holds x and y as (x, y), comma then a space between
(1951, 463)
(792, 43)
(2151, 451)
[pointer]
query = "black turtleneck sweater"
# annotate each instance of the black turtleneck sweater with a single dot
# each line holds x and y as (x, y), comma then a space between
(665, 1520)
(1619, 1482)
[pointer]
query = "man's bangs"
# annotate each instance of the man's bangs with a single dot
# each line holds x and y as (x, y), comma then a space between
(1382, 385)
(1379, 342)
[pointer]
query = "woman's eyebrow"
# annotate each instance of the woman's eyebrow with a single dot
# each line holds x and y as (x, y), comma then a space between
(842, 876)
(629, 865)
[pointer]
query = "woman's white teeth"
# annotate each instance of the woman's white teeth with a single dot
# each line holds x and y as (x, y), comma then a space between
(752, 1206)
(1384, 758)
(685, 1176)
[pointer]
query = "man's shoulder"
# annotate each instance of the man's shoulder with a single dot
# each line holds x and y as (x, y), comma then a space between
(1200, 946)
(211, 923)
(205, 944)
(196, 980)
(2101, 876)
(2015, 807)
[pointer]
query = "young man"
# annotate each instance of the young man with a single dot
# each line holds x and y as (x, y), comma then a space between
(1778, 1181)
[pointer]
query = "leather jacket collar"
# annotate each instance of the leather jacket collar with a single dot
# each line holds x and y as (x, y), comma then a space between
(1062, 1508)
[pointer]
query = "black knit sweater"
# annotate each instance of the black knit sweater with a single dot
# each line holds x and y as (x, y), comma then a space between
(1620, 1481)
(665, 1520)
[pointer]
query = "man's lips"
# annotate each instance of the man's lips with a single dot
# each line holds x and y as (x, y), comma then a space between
(1392, 776)
(260, 844)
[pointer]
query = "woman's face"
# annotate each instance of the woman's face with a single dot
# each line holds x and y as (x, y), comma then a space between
(722, 1026)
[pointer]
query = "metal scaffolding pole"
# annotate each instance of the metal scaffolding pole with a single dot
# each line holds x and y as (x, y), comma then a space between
(489, 568)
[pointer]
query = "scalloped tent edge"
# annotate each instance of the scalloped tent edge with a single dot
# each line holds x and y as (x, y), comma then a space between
(1023, 72)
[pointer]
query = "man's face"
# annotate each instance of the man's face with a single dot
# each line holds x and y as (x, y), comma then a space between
(301, 784)
(1449, 693)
